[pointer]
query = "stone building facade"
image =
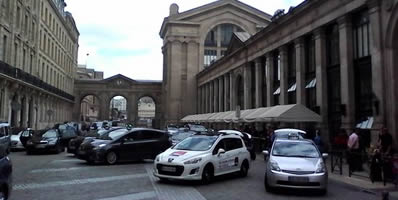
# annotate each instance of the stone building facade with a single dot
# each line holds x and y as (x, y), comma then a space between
(335, 57)
(38, 58)
(192, 40)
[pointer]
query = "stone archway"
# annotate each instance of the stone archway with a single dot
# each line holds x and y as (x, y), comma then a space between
(118, 107)
(89, 107)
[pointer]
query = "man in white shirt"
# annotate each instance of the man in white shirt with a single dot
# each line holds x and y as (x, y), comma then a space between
(354, 153)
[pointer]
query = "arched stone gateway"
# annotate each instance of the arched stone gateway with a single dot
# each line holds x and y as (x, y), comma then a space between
(118, 85)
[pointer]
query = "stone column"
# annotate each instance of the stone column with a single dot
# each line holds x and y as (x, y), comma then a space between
(226, 92)
(199, 101)
(270, 79)
(232, 101)
(216, 97)
(347, 72)
(247, 84)
(220, 94)
(284, 76)
(26, 112)
(211, 96)
(321, 81)
(375, 47)
(300, 71)
(207, 87)
(259, 83)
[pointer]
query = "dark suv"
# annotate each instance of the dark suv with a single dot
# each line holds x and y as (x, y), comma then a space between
(124, 145)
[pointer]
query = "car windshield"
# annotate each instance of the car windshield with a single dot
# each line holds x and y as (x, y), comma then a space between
(198, 128)
(295, 149)
(181, 135)
(202, 143)
(113, 135)
(50, 134)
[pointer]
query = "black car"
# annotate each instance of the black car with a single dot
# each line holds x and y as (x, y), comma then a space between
(75, 143)
(49, 141)
(5, 175)
(124, 145)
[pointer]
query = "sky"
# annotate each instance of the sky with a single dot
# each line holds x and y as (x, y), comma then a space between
(122, 37)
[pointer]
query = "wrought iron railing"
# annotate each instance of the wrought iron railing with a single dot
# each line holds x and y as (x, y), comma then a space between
(28, 78)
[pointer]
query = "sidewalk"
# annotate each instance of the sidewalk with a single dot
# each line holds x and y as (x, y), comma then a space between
(361, 180)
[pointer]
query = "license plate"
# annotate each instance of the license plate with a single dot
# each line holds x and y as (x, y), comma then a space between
(40, 146)
(168, 169)
(298, 179)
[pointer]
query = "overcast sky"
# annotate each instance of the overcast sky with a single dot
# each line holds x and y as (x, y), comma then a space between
(122, 36)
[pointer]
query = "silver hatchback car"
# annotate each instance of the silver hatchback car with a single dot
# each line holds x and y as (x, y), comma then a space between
(295, 163)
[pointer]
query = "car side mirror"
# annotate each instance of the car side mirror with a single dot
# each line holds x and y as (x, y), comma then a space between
(325, 155)
(220, 151)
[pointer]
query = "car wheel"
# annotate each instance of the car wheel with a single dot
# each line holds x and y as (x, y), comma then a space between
(268, 188)
(244, 168)
(111, 158)
(207, 174)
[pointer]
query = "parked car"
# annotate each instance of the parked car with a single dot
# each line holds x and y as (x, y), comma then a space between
(201, 157)
(16, 143)
(5, 138)
(247, 138)
(45, 141)
(196, 127)
(295, 163)
(6, 175)
(75, 143)
(124, 145)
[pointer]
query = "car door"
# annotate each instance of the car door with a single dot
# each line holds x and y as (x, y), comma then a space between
(150, 143)
(236, 151)
(128, 148)
(221, 160)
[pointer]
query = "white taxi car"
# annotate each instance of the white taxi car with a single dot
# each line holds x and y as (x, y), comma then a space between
(201, 157)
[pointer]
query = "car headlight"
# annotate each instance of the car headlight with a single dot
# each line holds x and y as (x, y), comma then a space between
(274, 166)
(100, 146)
(193, 161)
(320, 168)
(52, 142)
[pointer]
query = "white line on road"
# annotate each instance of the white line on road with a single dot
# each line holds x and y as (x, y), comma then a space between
(167, 192)
(67, 160)
(61, 169)
(76, 181)
(135, 196)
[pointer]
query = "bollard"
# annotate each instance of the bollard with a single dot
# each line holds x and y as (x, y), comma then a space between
(385, 195)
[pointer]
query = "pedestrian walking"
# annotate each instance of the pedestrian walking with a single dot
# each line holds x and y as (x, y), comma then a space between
(318, 141)
(354, 156)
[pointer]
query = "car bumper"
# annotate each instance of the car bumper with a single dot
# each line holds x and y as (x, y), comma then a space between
(281, 179)
(91, 155)
(41, 147)
(183, 172)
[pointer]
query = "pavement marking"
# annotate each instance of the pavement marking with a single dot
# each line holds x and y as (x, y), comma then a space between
(76, 181)
(61, 169)
(67, 160)
(135, 196)
(167, 192)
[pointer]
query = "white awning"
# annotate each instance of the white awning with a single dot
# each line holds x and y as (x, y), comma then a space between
(280, 113)
(292, 88)
(277, 91)
(366, 124)
(289, 113)
(311, 84)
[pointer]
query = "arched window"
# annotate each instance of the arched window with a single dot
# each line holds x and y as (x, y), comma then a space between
(217, 41)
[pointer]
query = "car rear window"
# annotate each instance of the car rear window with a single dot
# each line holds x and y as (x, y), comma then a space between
(295, 149)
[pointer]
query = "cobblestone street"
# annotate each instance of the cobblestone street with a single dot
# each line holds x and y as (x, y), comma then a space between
(63, 176)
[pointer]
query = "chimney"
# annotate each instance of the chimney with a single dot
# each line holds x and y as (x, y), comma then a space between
(173, 9)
